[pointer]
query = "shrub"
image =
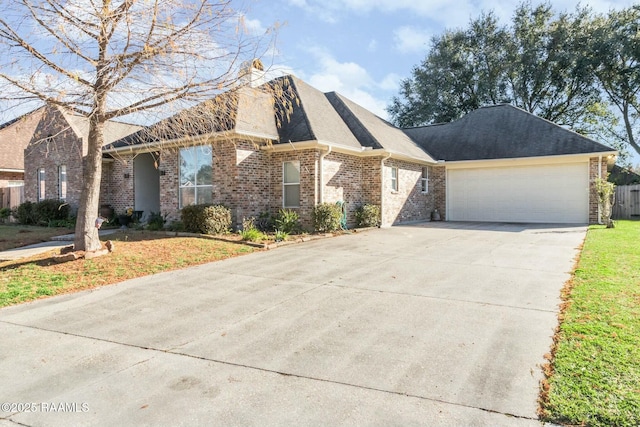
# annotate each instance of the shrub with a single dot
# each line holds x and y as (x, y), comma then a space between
(264, 222)
(50, 211)
(368, 216)
(177, 226)
(281, 236)
(206, 219)
(5, 213)
(155, 221)
(326, 217)
(252, 235)
(287, 221)
(25, 213)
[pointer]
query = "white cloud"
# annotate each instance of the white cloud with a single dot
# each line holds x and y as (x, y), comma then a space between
(254, 26)
(391, 82)
(410, 39)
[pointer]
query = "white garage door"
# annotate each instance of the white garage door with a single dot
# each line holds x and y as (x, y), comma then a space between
(542, 193)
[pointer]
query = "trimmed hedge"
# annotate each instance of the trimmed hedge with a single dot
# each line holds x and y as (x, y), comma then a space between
(326, 217)
(45, 212)
(206, 219)
(368, 216)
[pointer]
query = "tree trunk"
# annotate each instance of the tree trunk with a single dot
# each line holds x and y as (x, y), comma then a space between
(627, 125)
(87, 238)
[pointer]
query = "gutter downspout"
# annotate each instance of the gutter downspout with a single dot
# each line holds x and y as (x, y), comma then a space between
(321, 173)
(382, 188)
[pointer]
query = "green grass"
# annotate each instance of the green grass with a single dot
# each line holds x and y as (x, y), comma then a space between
(594, 378)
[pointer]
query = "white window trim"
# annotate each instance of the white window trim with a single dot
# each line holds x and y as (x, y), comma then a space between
(61, 196)
(194, 186)
(395, 186)
(286, 184)
(42, 187)
(424, 180)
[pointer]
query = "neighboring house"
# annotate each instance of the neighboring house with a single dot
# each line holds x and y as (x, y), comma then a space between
(55, 153)
(255, 154)
(14, 138)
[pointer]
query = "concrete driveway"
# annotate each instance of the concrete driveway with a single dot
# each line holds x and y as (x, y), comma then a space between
(435, 324)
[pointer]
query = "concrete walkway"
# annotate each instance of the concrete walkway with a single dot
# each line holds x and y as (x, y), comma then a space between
(439, 324)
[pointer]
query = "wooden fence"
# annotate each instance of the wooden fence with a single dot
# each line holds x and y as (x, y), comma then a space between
(11, 197)
(627, 205)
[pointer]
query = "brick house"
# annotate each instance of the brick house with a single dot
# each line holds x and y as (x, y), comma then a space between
(253, 153)
(54, 155)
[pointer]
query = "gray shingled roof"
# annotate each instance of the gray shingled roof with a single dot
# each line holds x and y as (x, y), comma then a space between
(372, 131)
(245, 111)
(500, 132)
(313, 117)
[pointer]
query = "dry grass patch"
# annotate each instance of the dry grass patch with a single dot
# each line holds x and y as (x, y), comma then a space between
(137, 253)
(15, 236)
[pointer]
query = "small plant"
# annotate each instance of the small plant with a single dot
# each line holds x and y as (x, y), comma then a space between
(155, 222)
(368, 215)
(252, 235)
(326, 217)
(248, 223)
(264, 222)
(281, 236)
(287, 221)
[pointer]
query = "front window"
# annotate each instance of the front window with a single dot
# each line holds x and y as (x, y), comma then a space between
(394, 179)
(41, 184)
(291, 184)
(62, 182)
(196, 176)
(424, 181)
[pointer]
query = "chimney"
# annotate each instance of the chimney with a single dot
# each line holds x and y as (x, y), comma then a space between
(251, 73)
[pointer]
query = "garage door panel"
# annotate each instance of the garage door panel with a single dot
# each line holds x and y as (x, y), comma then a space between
(542, 193)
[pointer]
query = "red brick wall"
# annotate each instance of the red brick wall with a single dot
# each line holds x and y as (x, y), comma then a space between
(308, 182)
(408, 203)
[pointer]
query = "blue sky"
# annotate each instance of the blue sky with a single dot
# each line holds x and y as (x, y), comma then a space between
(363, 48)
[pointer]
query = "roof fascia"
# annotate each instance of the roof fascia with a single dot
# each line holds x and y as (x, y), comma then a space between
(524, 161)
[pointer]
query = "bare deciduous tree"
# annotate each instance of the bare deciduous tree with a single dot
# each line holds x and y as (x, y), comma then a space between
(105, 59)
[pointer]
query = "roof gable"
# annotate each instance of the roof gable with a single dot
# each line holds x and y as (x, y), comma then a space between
(500, 132)
(14, 138)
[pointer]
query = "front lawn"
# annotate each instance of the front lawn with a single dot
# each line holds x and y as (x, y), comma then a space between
(14, 236)
(136, 254)
(595, 374)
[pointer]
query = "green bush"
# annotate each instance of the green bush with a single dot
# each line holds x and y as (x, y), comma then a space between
(5, 213)
(25, 213)
(326, 217)
(264, 222)
(287, 221)
(206, 219)
(252, 235)
(177, 226)
(51, 211)
(368, 216)
(155, 222)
